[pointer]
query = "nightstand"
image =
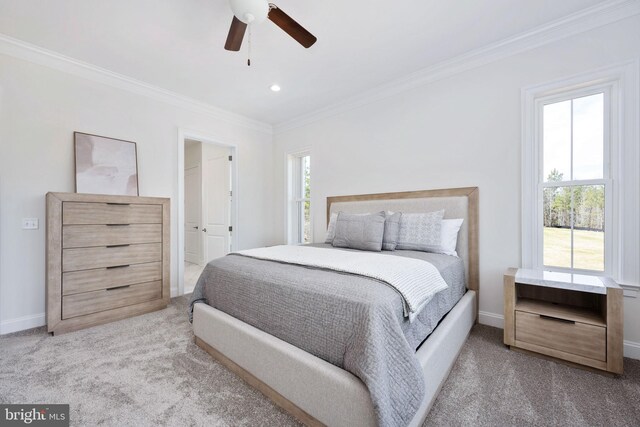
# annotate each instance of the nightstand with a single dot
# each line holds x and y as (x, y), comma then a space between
(574, 317)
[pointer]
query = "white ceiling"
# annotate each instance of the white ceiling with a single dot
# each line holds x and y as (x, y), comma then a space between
(178, 44)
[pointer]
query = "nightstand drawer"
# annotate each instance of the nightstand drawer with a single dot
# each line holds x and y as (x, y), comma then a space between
(568, 336)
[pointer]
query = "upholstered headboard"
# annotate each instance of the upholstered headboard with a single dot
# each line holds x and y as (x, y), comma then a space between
(456, 202)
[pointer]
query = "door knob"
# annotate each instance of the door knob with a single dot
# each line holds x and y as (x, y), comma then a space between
(204, 230)
(196, 227)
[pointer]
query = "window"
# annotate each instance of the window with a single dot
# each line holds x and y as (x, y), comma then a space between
(580, 174)
(575, 182)
(299, 201)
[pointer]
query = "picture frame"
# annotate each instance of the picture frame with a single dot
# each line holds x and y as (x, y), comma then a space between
(105, 165)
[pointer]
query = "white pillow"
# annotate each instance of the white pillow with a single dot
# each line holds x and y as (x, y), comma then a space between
(449, 236)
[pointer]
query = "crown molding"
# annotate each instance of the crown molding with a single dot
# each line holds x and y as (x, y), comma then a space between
(576, 23)
(585, 20)
(28, 52)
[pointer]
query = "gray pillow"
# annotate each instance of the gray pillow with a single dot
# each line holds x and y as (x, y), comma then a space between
(420, 231)
(331, 228)
(391, 231)
(362, 232)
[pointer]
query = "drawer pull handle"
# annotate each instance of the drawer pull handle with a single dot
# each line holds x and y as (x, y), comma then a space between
(116, 246)
(118, 287)
(118, 266)
(557, 319)
(118, 204)
(118, 225)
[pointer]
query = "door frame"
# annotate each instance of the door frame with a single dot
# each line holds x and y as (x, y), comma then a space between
(204, 138)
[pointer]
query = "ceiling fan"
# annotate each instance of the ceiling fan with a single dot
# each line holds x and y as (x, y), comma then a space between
(247, 12)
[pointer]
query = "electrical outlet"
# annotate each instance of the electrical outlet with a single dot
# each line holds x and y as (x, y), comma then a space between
(30, 223)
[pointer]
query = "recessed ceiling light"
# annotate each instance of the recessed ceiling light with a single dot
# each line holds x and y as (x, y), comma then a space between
(275, 88)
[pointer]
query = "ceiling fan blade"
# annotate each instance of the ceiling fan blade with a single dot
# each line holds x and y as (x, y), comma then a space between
(291, 27)
(236, 34)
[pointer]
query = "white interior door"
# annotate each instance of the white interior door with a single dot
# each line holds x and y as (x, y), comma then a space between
(216, 201)
(192, 215)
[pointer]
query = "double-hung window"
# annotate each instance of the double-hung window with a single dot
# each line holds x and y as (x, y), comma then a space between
(579, 174)
(574, 181)
(299, 200)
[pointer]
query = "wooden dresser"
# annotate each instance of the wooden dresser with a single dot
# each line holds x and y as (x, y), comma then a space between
(577, 318)
(107, 258)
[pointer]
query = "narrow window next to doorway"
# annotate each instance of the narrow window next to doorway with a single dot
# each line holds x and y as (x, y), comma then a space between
(299, 229)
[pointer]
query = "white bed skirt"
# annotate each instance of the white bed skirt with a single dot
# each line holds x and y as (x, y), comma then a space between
(331, 395)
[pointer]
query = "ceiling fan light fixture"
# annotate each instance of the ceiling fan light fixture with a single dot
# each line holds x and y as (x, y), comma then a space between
(250, 11)
(275, 88)
(246, 12)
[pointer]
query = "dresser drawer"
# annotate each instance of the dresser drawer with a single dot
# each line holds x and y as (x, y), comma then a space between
(572, 337)
(74, 282)
(95, 301)
(82, 236)
(110, 256)
(110, 213)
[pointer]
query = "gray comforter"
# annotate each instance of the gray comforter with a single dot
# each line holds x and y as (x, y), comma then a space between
(353, 322)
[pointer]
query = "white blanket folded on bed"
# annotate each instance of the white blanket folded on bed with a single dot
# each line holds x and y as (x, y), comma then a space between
(416, 280)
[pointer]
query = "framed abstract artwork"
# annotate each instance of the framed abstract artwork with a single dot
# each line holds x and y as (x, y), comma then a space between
(105, 165)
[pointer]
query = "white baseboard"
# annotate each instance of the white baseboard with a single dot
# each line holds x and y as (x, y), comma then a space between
(631, 349)
(491, 319)
(21, 323)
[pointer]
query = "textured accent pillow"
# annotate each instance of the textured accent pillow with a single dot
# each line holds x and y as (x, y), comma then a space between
(449, 236)
(391, 231)
(362, 232)
(331, 228)
(420, 231)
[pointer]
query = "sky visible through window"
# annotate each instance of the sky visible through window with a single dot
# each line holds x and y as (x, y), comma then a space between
(588, 131)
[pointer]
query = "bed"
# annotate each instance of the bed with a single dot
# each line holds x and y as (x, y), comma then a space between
(316, 390)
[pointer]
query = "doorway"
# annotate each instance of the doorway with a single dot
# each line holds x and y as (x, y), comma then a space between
(206, 229)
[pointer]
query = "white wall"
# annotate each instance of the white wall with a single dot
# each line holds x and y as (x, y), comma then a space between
(192, 154)
(40, 108)
(458, 132)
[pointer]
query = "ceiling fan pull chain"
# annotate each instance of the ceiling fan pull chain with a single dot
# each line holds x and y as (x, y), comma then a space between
(249, 49)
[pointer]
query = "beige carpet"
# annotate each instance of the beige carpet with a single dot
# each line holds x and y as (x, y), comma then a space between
(147, 371)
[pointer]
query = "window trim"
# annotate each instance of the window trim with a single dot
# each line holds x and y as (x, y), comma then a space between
(291, 199)
(621, 201)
